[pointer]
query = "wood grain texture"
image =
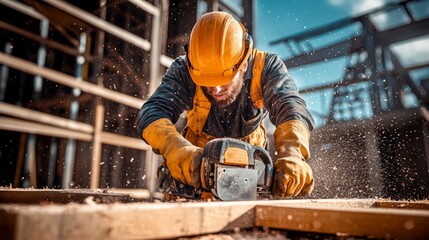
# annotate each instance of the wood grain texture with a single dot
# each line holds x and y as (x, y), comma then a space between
(370, 222)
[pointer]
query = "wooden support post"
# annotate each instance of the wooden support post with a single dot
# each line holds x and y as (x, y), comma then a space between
(20, 159)
(96, 147)
(31, 160)
(151, 169)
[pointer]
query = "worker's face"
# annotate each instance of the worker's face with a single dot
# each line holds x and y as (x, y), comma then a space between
(224, 95)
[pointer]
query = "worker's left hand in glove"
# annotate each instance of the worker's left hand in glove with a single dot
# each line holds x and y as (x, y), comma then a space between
(293, 176)
(183, 159)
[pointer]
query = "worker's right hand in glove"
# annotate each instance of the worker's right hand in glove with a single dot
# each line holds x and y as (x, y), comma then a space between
(293, 176)
(183, 159)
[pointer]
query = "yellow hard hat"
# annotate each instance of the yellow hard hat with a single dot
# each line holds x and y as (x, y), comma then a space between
(218, 48)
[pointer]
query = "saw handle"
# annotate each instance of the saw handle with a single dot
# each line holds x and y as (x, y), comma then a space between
(262, 154)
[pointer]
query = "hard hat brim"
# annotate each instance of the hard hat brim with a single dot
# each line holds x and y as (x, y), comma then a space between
(210, 81)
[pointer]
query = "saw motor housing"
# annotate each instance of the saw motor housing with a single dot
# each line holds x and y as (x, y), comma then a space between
(235, 170)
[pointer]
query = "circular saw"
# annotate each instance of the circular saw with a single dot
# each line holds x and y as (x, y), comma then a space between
(235, 170)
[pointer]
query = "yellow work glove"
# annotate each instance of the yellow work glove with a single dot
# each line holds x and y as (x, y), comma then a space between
(292, 174)
(183, 159)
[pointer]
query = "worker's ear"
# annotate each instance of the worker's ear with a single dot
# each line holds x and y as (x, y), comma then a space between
(244, 68)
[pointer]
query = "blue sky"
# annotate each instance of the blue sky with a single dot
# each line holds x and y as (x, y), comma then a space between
(276, 19)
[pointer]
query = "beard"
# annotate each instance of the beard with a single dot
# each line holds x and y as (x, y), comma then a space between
(232, 93)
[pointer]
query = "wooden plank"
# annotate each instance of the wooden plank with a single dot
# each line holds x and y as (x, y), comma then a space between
(101, 24)
(67, 80)
(47, 42)
(341, 202)
(123, 221)
(138, 194)
(107, 138)
(17, 125)
(379, 223)
(148, 7)
(423, 205)
(172, 220)
(37, 196)
(23, 9)
(123, 141)
(28, 114)
(166, 61)
(12, 124)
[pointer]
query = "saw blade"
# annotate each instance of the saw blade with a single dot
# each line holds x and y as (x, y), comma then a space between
(235, 183)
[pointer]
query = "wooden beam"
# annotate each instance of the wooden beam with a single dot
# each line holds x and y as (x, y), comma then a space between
(13, 124)
(123, 221)
(23, 9)
(41, 40)
(378, 223)
(134, 193)
(166, 61)
(62, 128)
(41, 196)
(356, 217)
(67, 80)
(119, 140)
(101, 24)
(28, 114)
(148, 7)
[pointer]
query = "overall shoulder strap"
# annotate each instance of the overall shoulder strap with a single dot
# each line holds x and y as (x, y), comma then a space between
(256, 88)
(197, 116)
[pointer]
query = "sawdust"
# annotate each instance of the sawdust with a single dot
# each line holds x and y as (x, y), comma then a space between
(251, 234)
(273, 234)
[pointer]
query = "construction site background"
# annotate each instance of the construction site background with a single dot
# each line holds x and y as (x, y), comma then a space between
(75, 73)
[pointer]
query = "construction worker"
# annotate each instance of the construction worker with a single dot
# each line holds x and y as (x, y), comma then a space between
(226, 88)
